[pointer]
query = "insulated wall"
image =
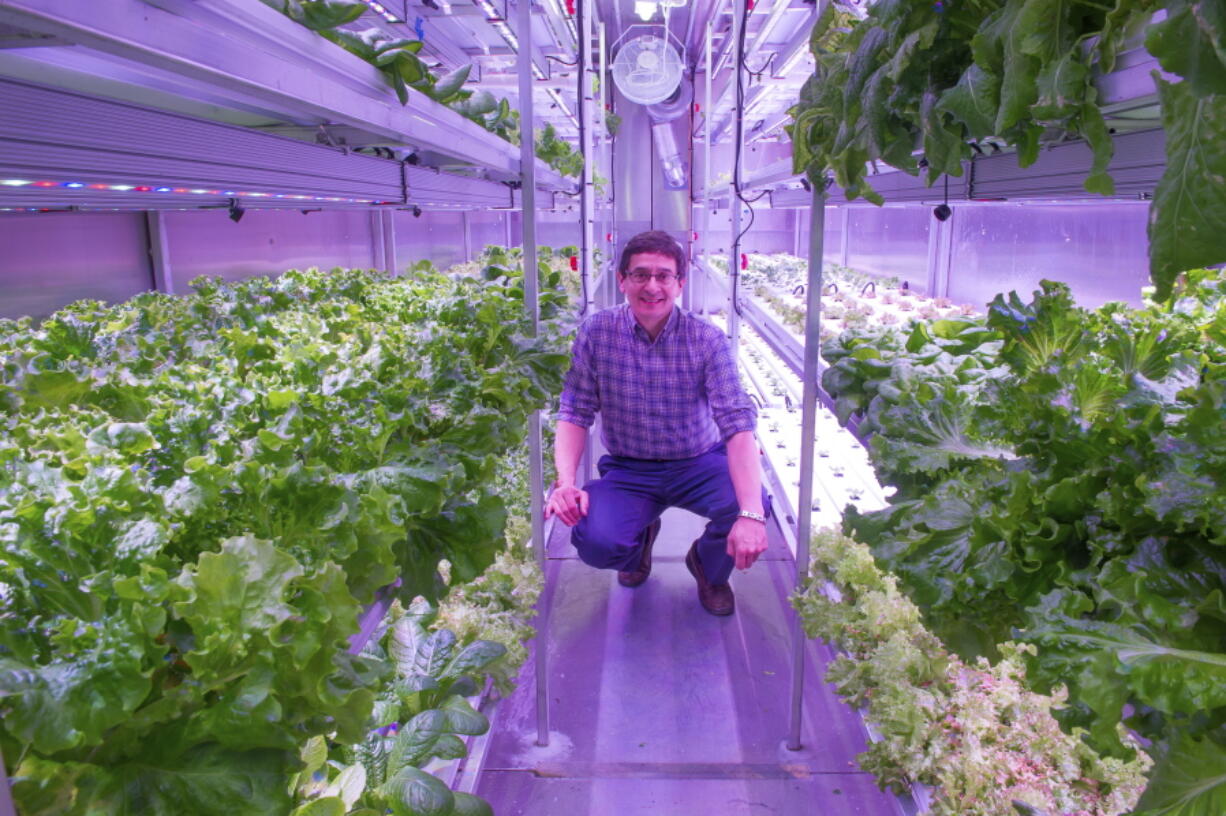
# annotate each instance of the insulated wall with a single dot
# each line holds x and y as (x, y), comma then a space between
(437, 237)
(48, 260)
(265, 242)
(553, 229)
(1099, 249)
(891, 242)
(488, 228)
(771, 231)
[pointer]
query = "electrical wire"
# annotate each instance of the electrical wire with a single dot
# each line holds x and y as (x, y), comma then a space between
(739, 64)
(561, 61)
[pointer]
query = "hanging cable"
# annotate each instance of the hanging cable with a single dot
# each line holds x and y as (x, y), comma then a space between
(738, 65)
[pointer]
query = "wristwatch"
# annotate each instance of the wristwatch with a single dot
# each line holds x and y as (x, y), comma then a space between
(749, 514)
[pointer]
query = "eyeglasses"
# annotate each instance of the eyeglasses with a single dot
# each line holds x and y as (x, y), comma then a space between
(662, 278)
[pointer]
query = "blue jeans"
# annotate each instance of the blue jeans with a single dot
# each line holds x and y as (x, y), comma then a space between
(632, 493)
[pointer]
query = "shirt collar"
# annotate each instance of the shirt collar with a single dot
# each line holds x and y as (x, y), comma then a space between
(632, 325)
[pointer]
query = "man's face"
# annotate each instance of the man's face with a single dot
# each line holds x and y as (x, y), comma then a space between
(652, 299)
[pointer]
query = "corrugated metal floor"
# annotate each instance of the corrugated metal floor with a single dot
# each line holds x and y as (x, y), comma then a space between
(660, 708)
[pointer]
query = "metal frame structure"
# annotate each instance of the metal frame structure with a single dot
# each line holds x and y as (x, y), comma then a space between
(247, 63)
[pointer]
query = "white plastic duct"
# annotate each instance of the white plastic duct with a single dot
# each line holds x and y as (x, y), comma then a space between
(662, 114)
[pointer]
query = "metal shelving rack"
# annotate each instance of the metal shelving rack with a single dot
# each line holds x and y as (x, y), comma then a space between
(245, 70)
(219, 83)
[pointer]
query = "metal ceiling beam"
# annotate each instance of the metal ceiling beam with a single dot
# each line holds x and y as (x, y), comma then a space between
(138, 158)
(798, 40)
(252, 50)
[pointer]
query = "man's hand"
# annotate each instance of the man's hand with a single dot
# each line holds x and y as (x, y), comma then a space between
(567, 503)
(746, 541)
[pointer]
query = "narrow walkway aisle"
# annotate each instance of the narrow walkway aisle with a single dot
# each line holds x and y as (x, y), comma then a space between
(660, 708)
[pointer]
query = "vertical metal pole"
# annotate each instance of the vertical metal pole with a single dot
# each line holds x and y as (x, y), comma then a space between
(945, 253)
(377, 245)
(734, 259)
(527, 161)
(606, 159)
(808, 433)
(845, 238)
(159, 258)
(706, 164)
(468, 235)
(389, 241)
(591, 118)
(590, 123)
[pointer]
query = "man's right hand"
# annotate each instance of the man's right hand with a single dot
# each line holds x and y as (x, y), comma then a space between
(567, 503)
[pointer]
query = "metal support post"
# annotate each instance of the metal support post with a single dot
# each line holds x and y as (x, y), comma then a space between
(377, 244)
(808, 434)
(590, 116)
(734, 259)
(465, 220)
(527, 160)
(606, 161)
(945, 254)
(587, 198)
(845, 237)
(389, 241)
(705, 220)
(159, 258)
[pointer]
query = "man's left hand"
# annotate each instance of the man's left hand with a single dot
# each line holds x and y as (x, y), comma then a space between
(746, 541)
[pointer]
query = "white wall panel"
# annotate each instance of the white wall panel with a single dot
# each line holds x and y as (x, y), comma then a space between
(891, 242)
(488, 228)
(832, 240)
(266, 242)
(1100, 250)
(434, 236)
(48, 260)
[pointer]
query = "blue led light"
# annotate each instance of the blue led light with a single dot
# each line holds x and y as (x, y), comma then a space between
(74, 184)
(161, 189)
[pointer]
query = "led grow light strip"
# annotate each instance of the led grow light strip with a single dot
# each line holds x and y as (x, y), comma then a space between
(384, 11)
(144, 188)
(561, 103)
(500, 25)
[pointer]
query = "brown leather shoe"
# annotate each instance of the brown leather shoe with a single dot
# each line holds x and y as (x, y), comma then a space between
(715, 598)
(632, 578)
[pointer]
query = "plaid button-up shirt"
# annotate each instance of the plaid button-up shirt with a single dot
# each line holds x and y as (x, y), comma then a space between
(673, 398)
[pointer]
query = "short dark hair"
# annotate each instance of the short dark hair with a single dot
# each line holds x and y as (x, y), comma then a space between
(656, 241)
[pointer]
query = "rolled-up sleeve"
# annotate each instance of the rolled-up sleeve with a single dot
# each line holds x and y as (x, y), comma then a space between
(731, 408)
(580, 390)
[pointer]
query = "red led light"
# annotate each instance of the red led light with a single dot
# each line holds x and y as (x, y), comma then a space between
(98, 187)
(574, 263)
(744, 261)
(44, 184)
(142, 189)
